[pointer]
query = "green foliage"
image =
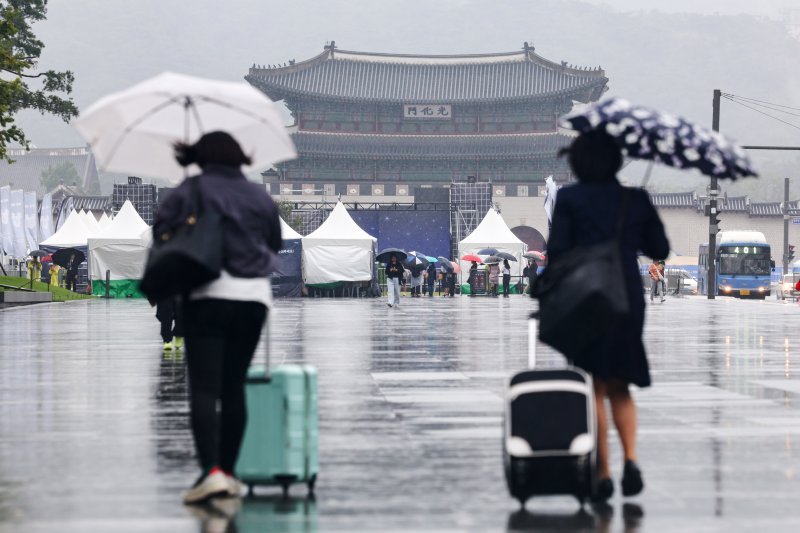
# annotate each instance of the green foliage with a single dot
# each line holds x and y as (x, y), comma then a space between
(22, 86)
(286, 211)
(54, 175)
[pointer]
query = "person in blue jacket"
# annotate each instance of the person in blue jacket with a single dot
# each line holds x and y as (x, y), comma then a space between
(586, 214)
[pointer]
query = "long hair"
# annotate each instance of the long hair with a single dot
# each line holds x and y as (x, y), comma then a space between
(594, 157)
(214, 148)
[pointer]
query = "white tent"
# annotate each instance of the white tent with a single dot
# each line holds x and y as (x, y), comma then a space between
(121, 249)
(90, 221)
(287, 233)
(493, 232)
(104, 221)
(339, 250)
(73, 233)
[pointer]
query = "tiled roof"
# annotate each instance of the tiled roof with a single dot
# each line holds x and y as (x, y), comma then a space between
(92, 203)
(765, 209)
(736, 203)
(674, 199)
(346, 75)
(26, 171)
(429, 146)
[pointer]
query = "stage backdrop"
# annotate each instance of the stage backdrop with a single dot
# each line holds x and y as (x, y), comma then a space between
(427, 232)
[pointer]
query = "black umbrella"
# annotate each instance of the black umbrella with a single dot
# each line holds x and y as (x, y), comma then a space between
(445, 264)
(644, 133)
(38, 253)
(488, 251)
(386, 255)
(505, 255)
(61, 257)
(492, 260)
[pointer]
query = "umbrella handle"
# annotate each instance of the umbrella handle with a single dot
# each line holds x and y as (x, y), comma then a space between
(647, 174)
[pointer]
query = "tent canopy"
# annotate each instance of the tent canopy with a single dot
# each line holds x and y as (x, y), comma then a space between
(494, 232)
(127, 224)
(339, 250)
(287, 233)
(120, 249)
(73, 233)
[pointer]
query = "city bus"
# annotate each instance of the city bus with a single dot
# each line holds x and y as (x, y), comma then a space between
(743, 264)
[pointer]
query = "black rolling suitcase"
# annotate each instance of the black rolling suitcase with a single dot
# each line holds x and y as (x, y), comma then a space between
(550, 432)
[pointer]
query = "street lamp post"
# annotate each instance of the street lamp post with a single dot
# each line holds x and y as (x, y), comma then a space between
(713, 192)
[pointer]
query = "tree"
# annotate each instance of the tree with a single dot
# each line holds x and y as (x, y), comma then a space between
(22, 86)
(285, 209)
(64, 172)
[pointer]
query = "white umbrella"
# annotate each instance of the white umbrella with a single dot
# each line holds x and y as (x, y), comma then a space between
(132, 131)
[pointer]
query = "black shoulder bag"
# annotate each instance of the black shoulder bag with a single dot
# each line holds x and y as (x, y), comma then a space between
(187, 257)
(582, 294)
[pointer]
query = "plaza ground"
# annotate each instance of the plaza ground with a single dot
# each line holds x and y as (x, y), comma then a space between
(94, 433)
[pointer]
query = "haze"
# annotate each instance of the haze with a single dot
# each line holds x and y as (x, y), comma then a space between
(667, 56)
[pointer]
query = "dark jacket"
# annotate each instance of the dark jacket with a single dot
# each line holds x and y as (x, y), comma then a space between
(395, 270)
(585, 214)
(252, 230)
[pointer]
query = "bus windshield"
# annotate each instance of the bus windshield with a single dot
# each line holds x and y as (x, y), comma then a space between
(747, 260)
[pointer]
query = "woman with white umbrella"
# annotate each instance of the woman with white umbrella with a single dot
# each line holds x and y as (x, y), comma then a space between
(223, 319)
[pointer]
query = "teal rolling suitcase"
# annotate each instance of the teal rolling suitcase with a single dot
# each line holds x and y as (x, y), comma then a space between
(281, 439)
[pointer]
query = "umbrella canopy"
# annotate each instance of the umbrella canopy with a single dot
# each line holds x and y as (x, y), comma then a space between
(61, 257)
(386, 254)
(488, 251)
(492, 260)
(506, 255)
(38, 253)
(644, 133)
(471, 257)
(445, 266)
(431, 259)
(533, 254)
(133, 131)
(418, 261)
(456, 267)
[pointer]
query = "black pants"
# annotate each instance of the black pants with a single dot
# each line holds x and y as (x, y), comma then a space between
(452, 286)
(71, 281)
(221, 336)
(168, 312)
(506, 283)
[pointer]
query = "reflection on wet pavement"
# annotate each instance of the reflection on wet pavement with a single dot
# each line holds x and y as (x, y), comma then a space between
(94, 430)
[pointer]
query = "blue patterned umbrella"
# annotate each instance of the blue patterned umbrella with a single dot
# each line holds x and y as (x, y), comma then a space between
(644, 133)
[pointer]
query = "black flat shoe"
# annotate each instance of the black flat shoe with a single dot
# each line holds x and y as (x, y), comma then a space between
(632, 483)
(605, 490)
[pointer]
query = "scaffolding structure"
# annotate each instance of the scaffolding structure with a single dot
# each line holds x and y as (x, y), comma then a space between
(143, 196)
(469, 203)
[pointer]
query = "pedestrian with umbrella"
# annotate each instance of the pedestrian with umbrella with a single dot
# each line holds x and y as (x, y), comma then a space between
(431, 277)
(599, 210)
(167, 127)
(417, 264)
(449, 273)
(394, 273)
(506, 272)
(531, 272)
(493, 262)
(70, 259)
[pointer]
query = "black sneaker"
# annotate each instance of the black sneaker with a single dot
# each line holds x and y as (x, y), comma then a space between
(632, 483)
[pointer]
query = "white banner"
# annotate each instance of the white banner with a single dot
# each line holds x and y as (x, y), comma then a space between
(7, 241)
(31, 222)
(46, 218)
(17, 224)
(64, 211)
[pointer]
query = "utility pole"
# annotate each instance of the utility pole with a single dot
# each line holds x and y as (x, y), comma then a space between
(785, 209)
(713, 192)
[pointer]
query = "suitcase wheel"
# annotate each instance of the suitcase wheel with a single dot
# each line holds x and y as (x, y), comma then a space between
(285, 482)
(312, 481)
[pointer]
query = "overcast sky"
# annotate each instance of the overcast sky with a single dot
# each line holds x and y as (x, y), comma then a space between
(652, 53)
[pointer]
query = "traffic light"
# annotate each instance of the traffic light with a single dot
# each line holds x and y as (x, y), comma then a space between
(790, 253)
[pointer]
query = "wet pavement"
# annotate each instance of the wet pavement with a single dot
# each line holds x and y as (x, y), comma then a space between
(94, 430)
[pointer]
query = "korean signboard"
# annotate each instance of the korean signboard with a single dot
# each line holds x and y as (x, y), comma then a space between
(426, 111)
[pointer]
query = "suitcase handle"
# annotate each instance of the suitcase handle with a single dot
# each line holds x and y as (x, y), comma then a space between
(266, 378)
